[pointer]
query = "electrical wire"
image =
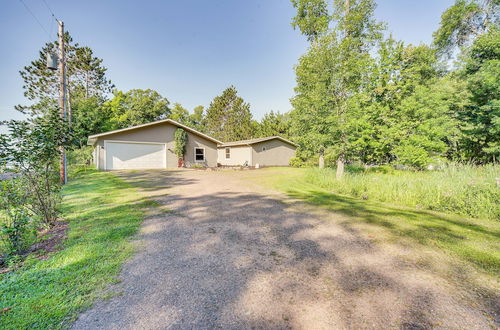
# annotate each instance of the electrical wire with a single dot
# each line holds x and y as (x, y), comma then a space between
(36, 19)
(51, 12)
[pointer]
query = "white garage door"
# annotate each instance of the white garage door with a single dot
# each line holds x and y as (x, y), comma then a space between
(129, 155)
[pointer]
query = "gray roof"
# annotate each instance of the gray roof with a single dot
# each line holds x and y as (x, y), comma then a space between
(254, 141)
(93, 138)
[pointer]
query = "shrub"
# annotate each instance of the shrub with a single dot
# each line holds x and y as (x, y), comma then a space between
(413, 156)
(180, 138)
(15, 221)
(82, 156)
(33, 148)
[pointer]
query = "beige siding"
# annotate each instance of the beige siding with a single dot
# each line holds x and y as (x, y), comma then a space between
(164, 133)
(238, 156)
(276, 153)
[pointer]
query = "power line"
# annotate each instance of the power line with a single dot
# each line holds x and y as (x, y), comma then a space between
(48, 7)
(36, 19)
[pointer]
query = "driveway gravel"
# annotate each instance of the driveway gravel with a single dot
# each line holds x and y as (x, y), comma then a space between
(221, 252)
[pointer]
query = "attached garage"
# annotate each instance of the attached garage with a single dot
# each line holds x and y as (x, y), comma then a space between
(151, 146)
(134, 155)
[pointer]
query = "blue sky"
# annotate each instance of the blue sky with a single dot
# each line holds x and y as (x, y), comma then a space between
(188, 50)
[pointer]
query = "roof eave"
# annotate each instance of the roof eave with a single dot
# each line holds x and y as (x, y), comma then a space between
(92, 139)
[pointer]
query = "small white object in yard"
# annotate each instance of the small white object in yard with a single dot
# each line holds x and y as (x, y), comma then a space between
(257, 165)
(498, 182)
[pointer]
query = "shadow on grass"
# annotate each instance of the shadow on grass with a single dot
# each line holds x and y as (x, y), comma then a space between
(424, 227)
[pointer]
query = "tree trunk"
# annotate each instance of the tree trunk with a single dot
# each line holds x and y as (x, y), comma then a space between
(321, 159)
(340, 168)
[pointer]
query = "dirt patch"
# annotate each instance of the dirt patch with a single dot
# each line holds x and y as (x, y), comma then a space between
(47, 242)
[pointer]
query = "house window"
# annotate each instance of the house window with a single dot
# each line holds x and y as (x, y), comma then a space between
(228, 153)
(199, 154)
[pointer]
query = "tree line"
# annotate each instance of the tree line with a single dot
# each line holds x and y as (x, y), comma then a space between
(363, 96)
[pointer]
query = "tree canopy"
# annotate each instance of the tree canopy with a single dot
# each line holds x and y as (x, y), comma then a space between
(228, 118)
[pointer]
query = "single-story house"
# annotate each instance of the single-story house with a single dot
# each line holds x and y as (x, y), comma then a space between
(267, 151)
(151, 145)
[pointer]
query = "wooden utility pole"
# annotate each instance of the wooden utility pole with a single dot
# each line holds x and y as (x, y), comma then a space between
(62, 97)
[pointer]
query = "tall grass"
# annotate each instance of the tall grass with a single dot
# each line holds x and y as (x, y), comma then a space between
(460, 189)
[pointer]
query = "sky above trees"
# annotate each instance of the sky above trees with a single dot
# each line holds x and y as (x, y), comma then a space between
(189, 51)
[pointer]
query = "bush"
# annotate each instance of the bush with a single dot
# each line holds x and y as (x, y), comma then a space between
(82, 156)
(299, 162)
(413, 156)
(16, 225)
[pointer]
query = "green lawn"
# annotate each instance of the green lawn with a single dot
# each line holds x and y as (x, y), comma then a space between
(103, 213)
(473, 241)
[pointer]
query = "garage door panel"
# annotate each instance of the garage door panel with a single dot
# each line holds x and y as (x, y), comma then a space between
(123, 155)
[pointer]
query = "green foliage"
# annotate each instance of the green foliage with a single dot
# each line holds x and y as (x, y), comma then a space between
(330, 76)
(16, 225)
(180, 139)
(463, 21)
(229, 118)
(312, 17)
(49, 294)
(89, 117)
(180, 114)
(197, 118)
(273, 123)
(31, 149)
(461, 189)
(135, 107)
(86, 77)
(480, 120)
(82, 156)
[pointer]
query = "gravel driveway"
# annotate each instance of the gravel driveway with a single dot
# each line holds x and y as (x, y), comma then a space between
(232, 255)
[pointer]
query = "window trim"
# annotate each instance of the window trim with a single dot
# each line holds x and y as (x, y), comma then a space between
(226, 151)
(204, 156)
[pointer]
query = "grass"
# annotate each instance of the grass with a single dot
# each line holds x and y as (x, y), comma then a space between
(465, 190)
(104, 213)
(473, 241)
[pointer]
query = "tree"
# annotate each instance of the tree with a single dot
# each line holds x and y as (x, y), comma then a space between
(463, 21)
(86, 77)
(332, 73)
(229, 118)
(312, 18)
(89, 117)
(273, 123)
(31, 149)
(197, 118)
(180, 114)
(135, 107)
(480, 120)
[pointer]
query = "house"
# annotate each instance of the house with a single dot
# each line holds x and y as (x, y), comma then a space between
(151, 145)
(267, 151)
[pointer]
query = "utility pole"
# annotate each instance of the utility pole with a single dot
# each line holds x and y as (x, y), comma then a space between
(62, 97)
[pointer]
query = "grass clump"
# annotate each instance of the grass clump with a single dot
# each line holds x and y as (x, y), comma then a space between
(460, 189)
(103, 213)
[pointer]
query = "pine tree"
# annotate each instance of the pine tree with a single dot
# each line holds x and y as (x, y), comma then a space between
(229, 118)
